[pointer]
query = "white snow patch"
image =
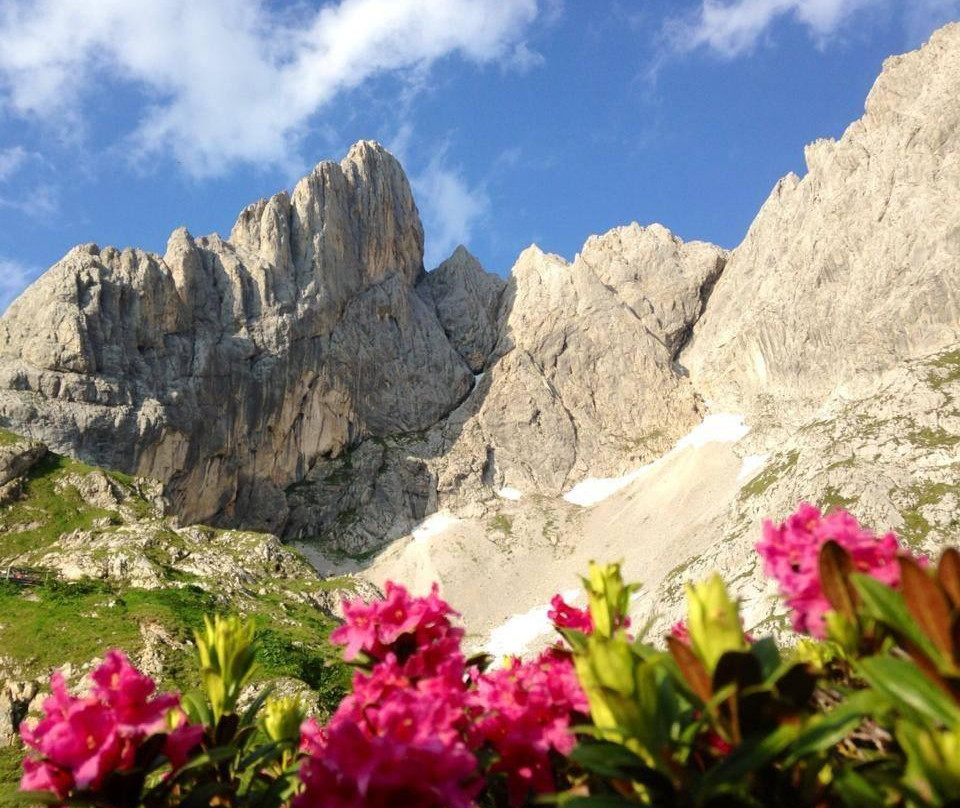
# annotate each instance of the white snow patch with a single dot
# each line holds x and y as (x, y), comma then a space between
(433, 525)
(519, 632)
(750, 465)
(720, 427)
(596, 489)
(510, 493)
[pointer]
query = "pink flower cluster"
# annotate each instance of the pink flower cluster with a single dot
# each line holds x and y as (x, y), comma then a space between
(563, 615)
(412, 730)
(397, 739)
(523, 711)
(81, 740)
(791, 553)
(394, 742)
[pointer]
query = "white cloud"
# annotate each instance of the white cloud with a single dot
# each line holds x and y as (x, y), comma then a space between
(14, 278)
(11, 160)
(231, 80)
(450, 208)
(40, 200)
(735, 27)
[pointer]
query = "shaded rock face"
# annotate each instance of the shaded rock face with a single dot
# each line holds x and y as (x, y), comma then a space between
(854, 267)
(227, 368)
(466, 300)
(574, 378)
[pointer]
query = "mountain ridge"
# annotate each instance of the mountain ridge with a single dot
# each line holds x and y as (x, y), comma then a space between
(307, 376)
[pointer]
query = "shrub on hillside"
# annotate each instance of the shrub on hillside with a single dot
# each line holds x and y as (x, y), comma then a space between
(863, 710)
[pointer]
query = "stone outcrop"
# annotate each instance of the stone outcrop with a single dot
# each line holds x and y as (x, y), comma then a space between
(17, 457)
(584, 379)
(854, 267)
(466, 300)
(244, 373)
(227, 369)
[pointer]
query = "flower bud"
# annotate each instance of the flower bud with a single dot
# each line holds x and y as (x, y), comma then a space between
(714, 621)
(282, 718)
(226, 651)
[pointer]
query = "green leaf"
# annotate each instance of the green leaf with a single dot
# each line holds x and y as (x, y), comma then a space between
(827, 730)
(902, 682)
(886, 605)
(10, 794)
(201, 796)
(796, 684)
(269, 751)
(608, 760)
(767, 653)
(211, 756)
(750, 756)
(197, 708)
(250, 714)
(598, 801)
(855, 791)
(740, 668)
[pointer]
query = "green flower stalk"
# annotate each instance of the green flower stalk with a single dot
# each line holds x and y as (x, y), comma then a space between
(226, 649)
(713, 621)
(608, 597)
(282, 717)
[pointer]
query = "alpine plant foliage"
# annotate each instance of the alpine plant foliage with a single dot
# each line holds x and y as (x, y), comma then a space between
(857, 705)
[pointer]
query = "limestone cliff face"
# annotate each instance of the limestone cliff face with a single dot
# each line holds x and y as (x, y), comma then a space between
(854, 267)
(240, 371)
(576, 377)
(307, 376)
(227, 368)
(466, 300)
(584, 379)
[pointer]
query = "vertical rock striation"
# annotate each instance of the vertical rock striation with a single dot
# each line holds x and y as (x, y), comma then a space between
(228, 368)
(854, 267)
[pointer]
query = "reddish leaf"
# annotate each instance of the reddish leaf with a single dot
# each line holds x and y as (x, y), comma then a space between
(927, 604)
(948, 572)
(691, 667)
(948, 684)
(835, 568)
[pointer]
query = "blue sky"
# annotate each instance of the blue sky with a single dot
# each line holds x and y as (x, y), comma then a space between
(518, 121)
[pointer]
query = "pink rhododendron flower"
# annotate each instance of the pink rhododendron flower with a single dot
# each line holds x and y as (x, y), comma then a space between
(563, 615)
(409, 732)
(181, 741)
(523, 711)
(80, 740)
(404, 748)
(681, 632)
(791, 553)
(399, 737)
(403, 625)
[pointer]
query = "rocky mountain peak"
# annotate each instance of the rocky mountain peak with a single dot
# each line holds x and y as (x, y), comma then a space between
(356, 216)
(867, 276)
(466, 299)
(225, 368)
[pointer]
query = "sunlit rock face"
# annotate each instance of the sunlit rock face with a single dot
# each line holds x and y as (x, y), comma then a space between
(854, 267)
(226, 368)
(240, 371)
